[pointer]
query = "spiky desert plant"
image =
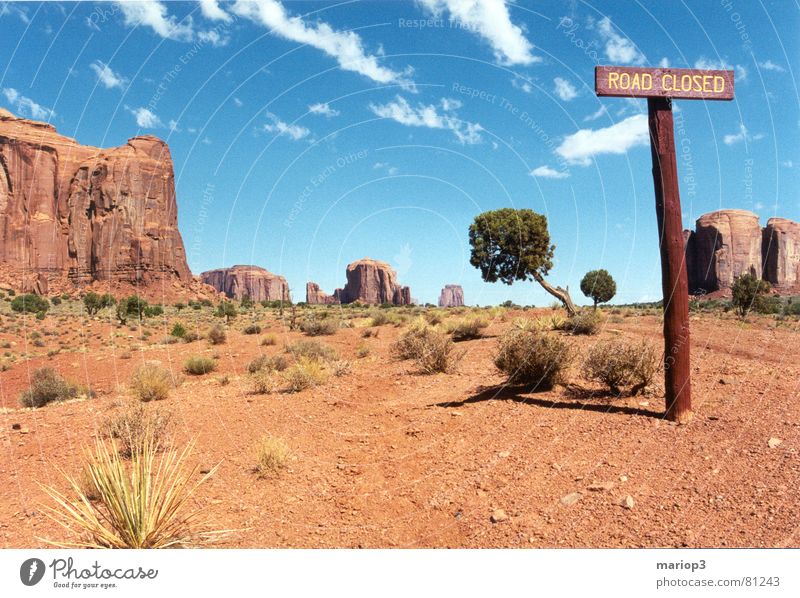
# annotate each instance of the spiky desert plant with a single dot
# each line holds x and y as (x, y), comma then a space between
(143, 504)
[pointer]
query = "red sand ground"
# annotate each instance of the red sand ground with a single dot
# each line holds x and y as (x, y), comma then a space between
(385, 457)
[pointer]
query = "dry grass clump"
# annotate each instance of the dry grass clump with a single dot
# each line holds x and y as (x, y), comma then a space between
(275, 363)
(198, 365)
(362, 350)
(272, 455)
(269, 339)
(550, 322)
(263, 381)
(341, 367)
(304, 373)
(619, 363)
(141, 504)
(467, 329)
(252, 329)
(380, 317)
(432, 350)
(151, 382)
(584, 322)
(46, 387)
(217, 335)
(312, 350)
(533, 358)
(136, 425)
(317, 327)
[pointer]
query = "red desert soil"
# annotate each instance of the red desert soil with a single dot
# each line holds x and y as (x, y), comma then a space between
(385, 457)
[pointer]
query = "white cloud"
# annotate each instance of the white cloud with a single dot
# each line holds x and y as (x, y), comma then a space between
(173, 126)
(344, 46)
(768, 65)
(664, 63)
(618, 49)
(742, 135)
(323, 110)
(564, 89)
(721, 65)
(581, 147)
(239, 103)
(279, 127)
(490, 20)
(106, 76)
(429, 116)
(546, 172)
(787, 164)
(603, 109)
(390, 170)
(26, 107)
(522, 83)
(145, 118)
(213, 37)
(212, 11)
(153, 14)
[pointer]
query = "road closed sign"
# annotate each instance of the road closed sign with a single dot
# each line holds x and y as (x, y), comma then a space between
(637, 82)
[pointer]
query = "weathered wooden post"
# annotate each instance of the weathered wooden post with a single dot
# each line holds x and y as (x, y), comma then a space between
(660, 86)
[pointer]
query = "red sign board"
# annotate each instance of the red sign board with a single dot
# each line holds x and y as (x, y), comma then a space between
(638, 82)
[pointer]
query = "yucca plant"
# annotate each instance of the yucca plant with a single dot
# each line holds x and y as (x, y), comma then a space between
(142, 504)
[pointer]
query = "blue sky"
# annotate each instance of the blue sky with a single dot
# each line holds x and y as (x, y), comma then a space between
(306, 135)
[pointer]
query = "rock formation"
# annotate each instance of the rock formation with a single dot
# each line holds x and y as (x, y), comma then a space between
(368, 281)
(314, 296)
(452, 295)
(729, 243)
(781, 253)
(254, 282)
(75, 213)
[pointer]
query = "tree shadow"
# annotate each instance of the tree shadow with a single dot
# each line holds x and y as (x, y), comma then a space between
(585, 399)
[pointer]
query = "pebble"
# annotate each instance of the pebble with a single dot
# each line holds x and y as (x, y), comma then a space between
(570, 499)
(16, 426)
(774, 442)
(498, 515)
(601, 486)
(504, 454)
(627, 502)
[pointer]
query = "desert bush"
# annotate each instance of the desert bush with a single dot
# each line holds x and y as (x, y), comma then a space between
(617, 363)
(317, 327)
(190, 336)
(198, 365)
(467, 329)
(533, 358)
(151, 311)
(217, 335)
(584, 322)
(46, 387)
(252, 329)
(178, 330)
(144, 504)
(136, 425)
(263, 381)
(362, 350)
(56, 300)
(369, 332)
(151, 382)
(269, 340)
(437, 354)
(748, 293)
(379, 318)
(226, 310)
(312, 350)
(305, 373)
(275, 363)
(30, 304)
(341, 367)
(272, 454)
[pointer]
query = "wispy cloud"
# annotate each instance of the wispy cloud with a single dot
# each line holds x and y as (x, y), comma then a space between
(564, 89)
(603, 109)
(546, 172)
(431, 117)
(581, 147)
(490, 20)
(145, 119)
(768, 65)
(24, 106)
(212, 11)
(154, 14)
(523, 83)
(618, 49)
(721, 65)
(346, 47)
(282, 128)
(323, 109)
(107, 77)
(742, 135)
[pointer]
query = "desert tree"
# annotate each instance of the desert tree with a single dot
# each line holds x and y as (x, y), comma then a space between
(511, 244)
(227, 310)
(599, 286)
(748, 291)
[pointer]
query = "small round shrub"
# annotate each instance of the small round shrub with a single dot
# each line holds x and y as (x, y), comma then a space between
(316, 327)
(617, 363)
(30, 304)
(199, 365)
(46, 387)
(529, 357)
(178, 330)
(312, 350)
(252, 329)
(263, 381)
(269, 340)
(151, 382)
(217, 335)
(584, 322)
(135, 425)
(272, 455)
(276, 363)
(305, 373)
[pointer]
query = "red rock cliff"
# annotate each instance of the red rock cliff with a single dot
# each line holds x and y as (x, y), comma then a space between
(781, 253)
(452, 295)
(368, 281)
(251, 281)
(83, 214)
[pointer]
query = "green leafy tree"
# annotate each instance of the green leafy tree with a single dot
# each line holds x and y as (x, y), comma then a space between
(599, 285)
(510, 244)
(748, 293)
(94, 302)
(226, 310)
(30, 303)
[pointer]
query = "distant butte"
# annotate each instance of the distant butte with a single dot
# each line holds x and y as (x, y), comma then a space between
(368, 281)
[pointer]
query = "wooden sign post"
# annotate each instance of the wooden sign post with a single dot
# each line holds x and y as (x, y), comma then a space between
(660, 86)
